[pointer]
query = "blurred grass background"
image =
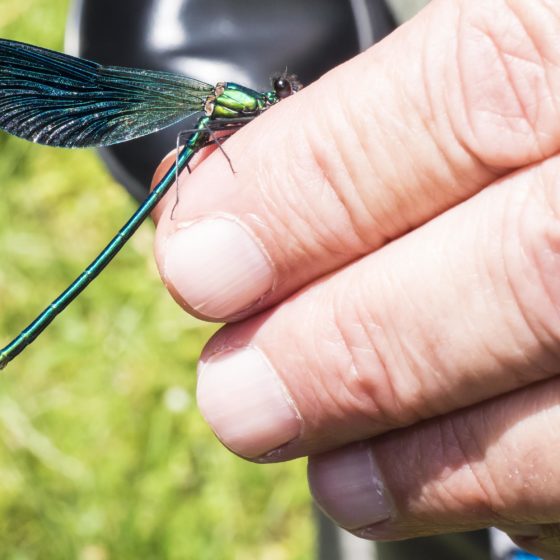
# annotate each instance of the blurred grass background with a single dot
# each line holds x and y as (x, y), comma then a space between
(103, 454)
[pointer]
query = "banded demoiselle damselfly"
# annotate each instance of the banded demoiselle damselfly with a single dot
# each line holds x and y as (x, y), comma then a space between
(58, 100)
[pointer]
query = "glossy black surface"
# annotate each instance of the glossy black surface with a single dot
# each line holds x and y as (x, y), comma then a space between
(218, 40)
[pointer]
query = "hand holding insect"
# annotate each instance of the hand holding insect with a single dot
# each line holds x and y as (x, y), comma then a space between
(389, 258)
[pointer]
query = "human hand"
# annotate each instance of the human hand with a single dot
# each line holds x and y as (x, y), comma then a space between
(387, 256)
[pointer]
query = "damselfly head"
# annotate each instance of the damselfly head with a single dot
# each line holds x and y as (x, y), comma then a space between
(285, 85)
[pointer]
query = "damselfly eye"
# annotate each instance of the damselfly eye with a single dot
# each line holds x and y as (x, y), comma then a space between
(283, 88)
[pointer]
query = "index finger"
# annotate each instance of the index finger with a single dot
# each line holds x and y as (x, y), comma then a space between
(458, 97)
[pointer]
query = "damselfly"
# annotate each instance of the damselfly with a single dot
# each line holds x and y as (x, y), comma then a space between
(59, 100)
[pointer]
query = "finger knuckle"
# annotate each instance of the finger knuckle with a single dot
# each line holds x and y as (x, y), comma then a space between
(455, 456)
(375, 374)
(531, 264)
(506, 71)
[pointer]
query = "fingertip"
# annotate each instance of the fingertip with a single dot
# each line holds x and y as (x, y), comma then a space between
(159, 174)
(243, 399)
(348, 486)
(217, 267)
(163, 168)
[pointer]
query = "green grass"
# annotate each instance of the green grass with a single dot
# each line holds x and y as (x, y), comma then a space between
(95, 462)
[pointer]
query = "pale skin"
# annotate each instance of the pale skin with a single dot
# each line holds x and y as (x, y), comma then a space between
(387, 258)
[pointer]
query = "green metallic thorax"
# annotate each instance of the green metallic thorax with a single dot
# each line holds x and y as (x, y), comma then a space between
(232, 101)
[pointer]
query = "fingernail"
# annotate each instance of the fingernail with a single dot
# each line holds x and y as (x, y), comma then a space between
(347, 485)
(244, 401)
(217, 267)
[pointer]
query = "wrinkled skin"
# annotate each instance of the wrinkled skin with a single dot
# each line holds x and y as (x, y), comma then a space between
(387, 258)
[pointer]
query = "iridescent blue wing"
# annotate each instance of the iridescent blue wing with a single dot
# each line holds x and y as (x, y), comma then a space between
(59, 100)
